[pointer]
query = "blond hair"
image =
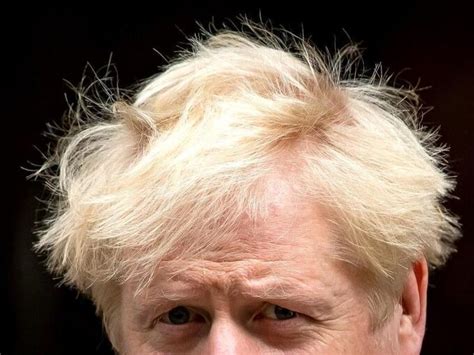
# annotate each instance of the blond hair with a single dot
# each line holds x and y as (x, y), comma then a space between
(132, 183)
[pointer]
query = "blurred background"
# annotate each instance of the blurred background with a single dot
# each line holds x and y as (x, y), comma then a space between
(45, 46)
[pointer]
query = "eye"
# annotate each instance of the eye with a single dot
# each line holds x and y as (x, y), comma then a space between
(273, 311)
(180, 315)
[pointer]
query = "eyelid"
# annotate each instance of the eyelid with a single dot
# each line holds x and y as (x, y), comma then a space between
(311, 310)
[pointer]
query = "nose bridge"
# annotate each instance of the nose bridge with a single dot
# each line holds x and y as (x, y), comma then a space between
(227, 337)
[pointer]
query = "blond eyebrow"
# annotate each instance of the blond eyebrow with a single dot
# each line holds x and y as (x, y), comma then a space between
(273, 290)
(285, 290)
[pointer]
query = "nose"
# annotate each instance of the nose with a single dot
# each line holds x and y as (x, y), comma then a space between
(230, 338)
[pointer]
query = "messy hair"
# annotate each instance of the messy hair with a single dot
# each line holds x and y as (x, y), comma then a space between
(171, 169)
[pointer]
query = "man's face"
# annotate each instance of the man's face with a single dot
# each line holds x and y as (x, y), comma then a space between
(275, 289)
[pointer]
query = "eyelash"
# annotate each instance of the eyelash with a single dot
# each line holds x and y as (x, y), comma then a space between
(293, 314)
(196, 316)
(193, 316)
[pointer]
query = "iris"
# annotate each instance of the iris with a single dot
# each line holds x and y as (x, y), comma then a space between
(179, 315)
(283, 313)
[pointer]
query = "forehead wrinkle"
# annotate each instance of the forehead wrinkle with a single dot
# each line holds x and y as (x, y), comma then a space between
(264, 279)
(192, 279)
(224, 275)
(275, 246)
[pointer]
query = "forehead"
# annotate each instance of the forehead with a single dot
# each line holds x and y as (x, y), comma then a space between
(291, 241)
(289, 226)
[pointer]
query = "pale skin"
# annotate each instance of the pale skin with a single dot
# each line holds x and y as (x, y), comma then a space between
(274, 289)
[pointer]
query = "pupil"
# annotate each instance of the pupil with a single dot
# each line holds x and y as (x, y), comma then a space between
(179, 315)
(283, 313)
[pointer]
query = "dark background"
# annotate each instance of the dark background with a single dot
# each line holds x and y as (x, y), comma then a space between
(45, 45)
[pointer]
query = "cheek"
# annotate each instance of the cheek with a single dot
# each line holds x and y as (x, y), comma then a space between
(133, 344)
(386, 338)
(352, 337)
(352, 334)
(363, 340)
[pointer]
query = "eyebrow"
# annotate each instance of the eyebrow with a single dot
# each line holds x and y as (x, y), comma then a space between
(309, 296)
(275, 290)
